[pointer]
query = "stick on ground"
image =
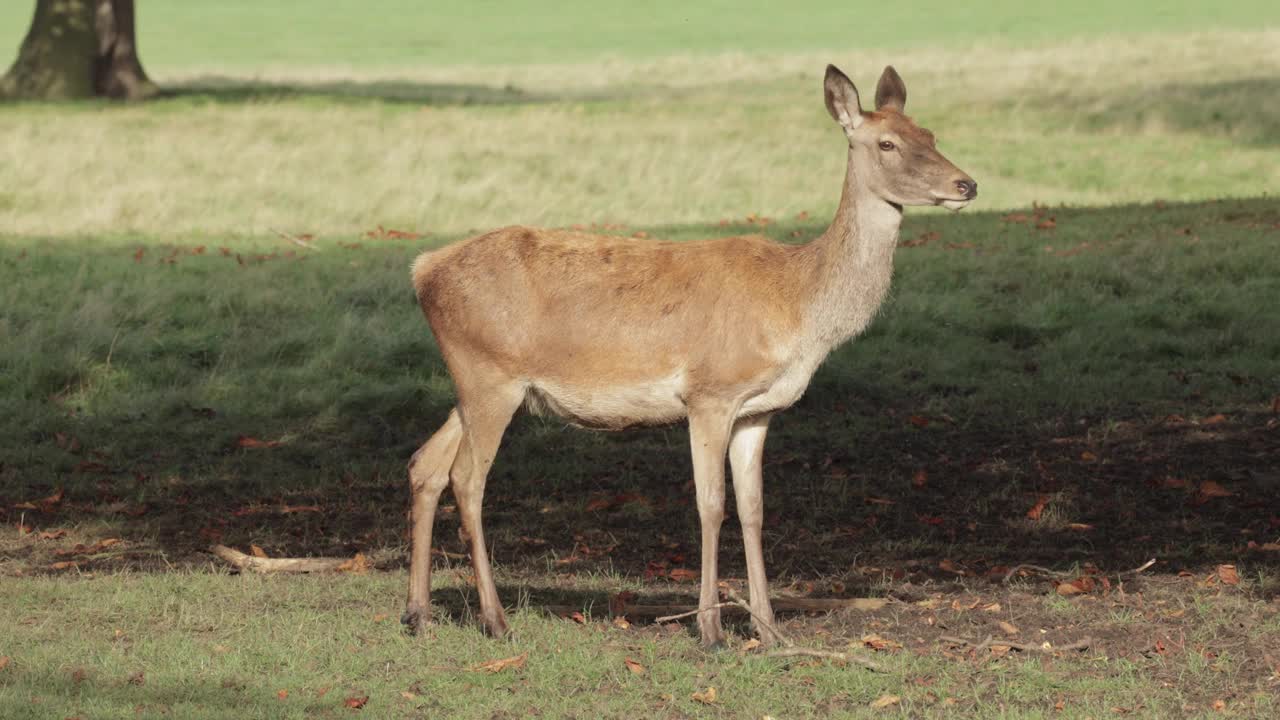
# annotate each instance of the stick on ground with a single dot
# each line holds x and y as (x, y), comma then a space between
(269, 565)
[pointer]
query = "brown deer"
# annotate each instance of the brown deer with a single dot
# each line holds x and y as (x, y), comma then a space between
(611, 333)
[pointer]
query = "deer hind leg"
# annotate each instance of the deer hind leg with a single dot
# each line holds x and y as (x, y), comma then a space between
(484, 419)
(708, 438)
(428, 476)
(746, 458)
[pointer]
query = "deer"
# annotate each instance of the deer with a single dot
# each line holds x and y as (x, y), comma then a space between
(610, 333)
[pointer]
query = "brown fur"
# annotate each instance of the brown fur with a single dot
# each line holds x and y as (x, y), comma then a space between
(611, 332)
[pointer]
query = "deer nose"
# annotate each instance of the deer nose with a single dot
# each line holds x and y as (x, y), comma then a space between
(968, 188)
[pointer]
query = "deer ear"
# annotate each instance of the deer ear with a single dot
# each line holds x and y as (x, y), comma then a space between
(842, 99)
(891, 92)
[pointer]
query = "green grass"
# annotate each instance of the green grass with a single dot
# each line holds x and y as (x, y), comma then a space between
(1112, 364)
(245, 34)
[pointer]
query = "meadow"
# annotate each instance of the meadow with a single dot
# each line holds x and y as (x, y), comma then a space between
(207, 335)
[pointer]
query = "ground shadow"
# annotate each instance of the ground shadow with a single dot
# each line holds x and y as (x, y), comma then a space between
(224, 89)
(1244, 109)
(875, 476)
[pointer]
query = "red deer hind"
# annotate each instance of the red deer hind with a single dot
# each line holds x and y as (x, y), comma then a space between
(610, 333)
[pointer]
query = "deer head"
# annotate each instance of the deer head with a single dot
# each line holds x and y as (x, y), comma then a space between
(896, 159)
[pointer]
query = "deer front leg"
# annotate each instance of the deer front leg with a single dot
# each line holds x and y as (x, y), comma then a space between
(428, 476)
(746, 457)
(709, 438)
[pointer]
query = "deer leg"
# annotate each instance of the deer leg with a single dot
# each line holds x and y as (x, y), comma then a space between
(746, 457)
(428, 476)
(709, 438)
(483, 422)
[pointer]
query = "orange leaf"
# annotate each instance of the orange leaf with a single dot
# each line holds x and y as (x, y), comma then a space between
(1038, 509)
(63, 565)
(1211, 489)
(1214, 419)
(919, 479)
(358, 565)
(918, 420)
(286, 509)
(282, 694)
(4, 661)
(635, 667)
(706, 697)
(246, 441)
(355, 703)
(1080, 527)
(875, 642)
(885, 701)
(1227, 574)
(496, 666)
(257, 551)
(683, 575)
(578, 618)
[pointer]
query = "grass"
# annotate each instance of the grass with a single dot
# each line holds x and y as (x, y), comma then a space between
(1115, 368)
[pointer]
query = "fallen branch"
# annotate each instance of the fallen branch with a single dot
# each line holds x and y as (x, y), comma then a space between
(294, 239)
(666, 613)
(1081, 644)
(268, 565)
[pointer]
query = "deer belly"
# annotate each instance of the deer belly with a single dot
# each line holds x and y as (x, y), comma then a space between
(782, 393)
(615, 407)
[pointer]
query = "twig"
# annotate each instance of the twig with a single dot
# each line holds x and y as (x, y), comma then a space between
(1081, 644)
(695, 611)
(294, 239)
(1057, 573)
(1138, 569)
(827, 654)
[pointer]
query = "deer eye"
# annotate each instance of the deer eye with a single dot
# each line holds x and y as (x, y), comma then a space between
(887, 146)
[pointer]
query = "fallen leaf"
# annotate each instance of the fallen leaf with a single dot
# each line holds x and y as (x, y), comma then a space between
(992, 608)
(4, 661)
(885, 701)
(408, 695)
(380, 617)
(137, 678)
(1217, 419)
(1046, 224)
(257, 551)
(282, 694)
(1211, 489)
(1038, 509)
(919, 479)
(1079, 527)
(635, 667)
(918, 420)
(871, 500)
(286, 509)
(1088, 457)
(25, 529)
(949, 566)
(1008, 628)
(497, 666)
(683, 575)
(621, 622)
(355, 703)
(1219, 705)
(578, 618)
(358, 565)
(1227, 574)
(875, 642)
(1075, 587)
(751, 645)
(82, 549)
(706, 697)
(246, 441)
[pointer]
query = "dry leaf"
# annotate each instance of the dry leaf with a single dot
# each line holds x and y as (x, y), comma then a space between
(63, 565)
(246, 441)
(885, 701)
(1038, 509)
(751, 645)
(875, 642)
(257, 551)
(683, 574)
(1079, 527)
(993, 607)
(496, 666)
(1087, 456)
(1008, 628)
(380, 617)
(408, 695)
(1227, 574)
(137, 678)
(1214, 419)
(1210, 489)
(4, 661)
(920, 479)
(1219, 705)
(918, 420)
(52, 534)
(635, 667)
(282, 694)
(578, 618)
(355, 703)
(358, 565)
(706, 697)
(621, 622)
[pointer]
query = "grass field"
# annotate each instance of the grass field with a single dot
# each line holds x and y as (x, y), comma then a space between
(1080, 372)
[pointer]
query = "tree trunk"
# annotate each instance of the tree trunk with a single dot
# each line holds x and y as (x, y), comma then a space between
(79, 49)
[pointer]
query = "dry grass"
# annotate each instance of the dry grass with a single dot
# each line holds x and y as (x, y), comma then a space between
(685, 139)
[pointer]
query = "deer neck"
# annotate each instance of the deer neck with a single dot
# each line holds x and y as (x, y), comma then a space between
(852, 262)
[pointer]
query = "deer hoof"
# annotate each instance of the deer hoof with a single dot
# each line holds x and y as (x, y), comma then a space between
(415, 620)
